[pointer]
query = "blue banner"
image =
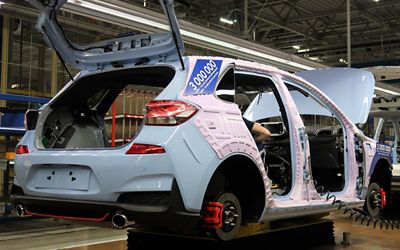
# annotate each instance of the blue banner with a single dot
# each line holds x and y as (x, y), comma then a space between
(204, 77)
(383, 149)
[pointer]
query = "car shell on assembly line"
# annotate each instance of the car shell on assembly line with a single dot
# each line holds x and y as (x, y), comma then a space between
(194, 165)
(388, 117)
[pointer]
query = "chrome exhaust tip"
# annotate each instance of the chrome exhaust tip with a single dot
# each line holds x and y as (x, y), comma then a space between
(120, 221)
(20, 209)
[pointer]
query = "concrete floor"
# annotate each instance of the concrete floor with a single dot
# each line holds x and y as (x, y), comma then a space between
(43, 234)
(56, 234)
(363, 237)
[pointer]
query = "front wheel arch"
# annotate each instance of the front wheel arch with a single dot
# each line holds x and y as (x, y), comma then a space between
(381, 177)
(382, 174)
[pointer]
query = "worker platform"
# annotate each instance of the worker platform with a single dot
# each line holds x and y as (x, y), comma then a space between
(303, 232)
(31, 233)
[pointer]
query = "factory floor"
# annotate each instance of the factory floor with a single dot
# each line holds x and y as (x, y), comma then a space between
(58, 234)
(33, 233)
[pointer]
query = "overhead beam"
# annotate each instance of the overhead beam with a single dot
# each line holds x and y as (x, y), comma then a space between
(123, 14)
(342, 10)
(18, 11)
(348, 19)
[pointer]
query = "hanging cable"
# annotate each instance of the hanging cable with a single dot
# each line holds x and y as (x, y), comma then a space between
(357, 214)
(258, 14)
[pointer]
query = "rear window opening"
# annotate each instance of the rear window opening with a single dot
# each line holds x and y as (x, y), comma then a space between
(82, 115)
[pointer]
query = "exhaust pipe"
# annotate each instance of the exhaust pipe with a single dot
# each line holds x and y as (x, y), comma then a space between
(20, 209)
(120, 221)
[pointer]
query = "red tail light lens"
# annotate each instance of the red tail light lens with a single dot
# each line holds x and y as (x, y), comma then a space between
(22, 149)
(168, 112)
(145, 149)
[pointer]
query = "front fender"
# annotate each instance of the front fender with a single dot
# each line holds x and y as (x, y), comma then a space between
(383, 153)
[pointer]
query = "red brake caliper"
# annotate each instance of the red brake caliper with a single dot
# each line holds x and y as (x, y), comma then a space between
(383, 198)
(213, 215)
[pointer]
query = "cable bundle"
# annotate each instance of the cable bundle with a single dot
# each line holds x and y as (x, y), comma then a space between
(359, 214)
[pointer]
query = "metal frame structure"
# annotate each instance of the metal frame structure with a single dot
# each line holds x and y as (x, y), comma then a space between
(258, 24)
(144, 20)
(309, 28)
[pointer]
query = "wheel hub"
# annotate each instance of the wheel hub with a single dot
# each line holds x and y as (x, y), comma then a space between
(229, 217)
(378, 198)
(375, 199)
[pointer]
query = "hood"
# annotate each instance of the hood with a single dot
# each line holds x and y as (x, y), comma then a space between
(351, 89)
(117, 52)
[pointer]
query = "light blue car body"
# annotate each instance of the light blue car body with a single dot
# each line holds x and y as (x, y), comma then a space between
(194, 150)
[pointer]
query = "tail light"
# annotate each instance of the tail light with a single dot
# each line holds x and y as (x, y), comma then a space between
(145, 149)
(22, 149)
(168, 112)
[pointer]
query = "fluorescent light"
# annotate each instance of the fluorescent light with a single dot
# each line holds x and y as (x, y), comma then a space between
(224, 20)
(111, 10)
(376, 0)
(387, 91)
(243, 49)
(303, 50)
(314, 58)
(296, 47)
(117, 13)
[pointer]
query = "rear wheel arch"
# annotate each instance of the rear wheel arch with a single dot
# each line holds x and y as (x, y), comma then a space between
(239, 175)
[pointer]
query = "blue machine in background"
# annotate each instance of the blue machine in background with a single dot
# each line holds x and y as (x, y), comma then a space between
(11, 125)
(12, 120)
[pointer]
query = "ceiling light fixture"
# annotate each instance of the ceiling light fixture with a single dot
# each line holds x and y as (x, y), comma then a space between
(111, 9)
(224, 20)
(314, 58)
(296, 46)
(303, 50)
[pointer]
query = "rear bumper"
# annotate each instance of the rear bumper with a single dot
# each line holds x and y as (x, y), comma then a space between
(172, 214)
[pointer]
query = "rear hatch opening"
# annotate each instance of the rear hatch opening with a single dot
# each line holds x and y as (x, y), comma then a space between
(81, 116)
